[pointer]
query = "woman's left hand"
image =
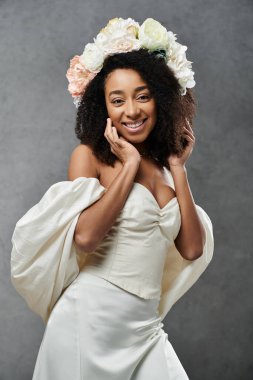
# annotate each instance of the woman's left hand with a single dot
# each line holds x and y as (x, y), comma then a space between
(174, 159)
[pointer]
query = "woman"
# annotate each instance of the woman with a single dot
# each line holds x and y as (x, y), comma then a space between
(106, 323)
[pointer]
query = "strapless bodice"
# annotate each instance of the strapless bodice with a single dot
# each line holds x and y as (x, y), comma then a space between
(45, 259)
(132, 254)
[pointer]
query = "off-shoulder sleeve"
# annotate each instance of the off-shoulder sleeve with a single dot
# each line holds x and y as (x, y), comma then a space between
(44, 257)
(180, 274)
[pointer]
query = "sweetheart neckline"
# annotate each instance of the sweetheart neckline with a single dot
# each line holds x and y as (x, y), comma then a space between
(171, 201)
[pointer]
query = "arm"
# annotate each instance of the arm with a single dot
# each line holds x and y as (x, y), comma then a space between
(95, 221)
(191, 238)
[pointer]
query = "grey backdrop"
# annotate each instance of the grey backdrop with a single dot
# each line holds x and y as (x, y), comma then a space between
(211, 326)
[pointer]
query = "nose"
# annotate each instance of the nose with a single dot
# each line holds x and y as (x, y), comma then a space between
(132, 109)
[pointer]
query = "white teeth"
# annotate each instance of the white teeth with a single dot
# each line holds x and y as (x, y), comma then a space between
(134, 125)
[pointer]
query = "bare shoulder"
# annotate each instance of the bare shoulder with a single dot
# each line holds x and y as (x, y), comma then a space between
(82, 163)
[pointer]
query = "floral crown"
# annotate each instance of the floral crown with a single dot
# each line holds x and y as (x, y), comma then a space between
(123, 35)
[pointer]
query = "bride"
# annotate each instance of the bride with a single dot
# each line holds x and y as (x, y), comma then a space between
(105, 255)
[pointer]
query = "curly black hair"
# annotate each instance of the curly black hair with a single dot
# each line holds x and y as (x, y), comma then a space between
(172, 107)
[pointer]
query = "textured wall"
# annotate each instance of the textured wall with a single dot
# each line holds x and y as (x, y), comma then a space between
(210, 327)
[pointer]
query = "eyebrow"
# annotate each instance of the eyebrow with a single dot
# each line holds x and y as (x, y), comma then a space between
(122, 92)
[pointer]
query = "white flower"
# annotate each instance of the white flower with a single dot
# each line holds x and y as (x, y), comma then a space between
(119, 35)
(92, 57)
(186, 79)
(121, 26)
(122, 45)
(100, 40)
(176, 60)
(103, 41)
(172, 38)
(153, 35)
(123, 35)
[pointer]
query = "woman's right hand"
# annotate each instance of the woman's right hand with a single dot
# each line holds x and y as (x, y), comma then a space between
(124, 150)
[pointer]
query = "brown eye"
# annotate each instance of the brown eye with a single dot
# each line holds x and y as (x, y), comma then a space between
(116, 100)
(144, 96)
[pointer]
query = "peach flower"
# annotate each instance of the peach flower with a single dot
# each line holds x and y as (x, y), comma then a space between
(78, 77)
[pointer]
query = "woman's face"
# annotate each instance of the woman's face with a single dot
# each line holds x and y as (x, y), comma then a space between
(129, 103)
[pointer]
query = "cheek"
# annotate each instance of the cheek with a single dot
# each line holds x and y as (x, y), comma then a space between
(114, 113)
(109, 107)
(151, 109)
(152, 112)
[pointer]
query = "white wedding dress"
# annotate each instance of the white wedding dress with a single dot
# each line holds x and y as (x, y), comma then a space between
(104, 311)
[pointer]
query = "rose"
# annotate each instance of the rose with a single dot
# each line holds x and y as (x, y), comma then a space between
(111, 38)
(103, 40)
(118, 43)
(92, 58)
(172, 38)
(176, 60)
(78, 76)
(123, 35)
(118, 36)
(133, 30)
(121, 45)
(186, 79)
(76, 88)
(153, 35)
(115, 25)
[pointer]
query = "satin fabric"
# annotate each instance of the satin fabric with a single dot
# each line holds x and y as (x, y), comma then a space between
(104, 328)
(98, 331)
(132, 254)
(45, 260)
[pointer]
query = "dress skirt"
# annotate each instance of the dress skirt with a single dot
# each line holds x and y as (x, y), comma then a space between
(99, 331)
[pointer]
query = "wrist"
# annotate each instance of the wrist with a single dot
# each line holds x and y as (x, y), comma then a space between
(132, 164)
(178, 169)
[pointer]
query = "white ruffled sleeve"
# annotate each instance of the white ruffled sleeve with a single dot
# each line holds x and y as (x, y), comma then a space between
(180, 274)
(44, 258)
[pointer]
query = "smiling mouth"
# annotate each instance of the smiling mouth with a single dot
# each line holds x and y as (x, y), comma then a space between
(135, 125)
